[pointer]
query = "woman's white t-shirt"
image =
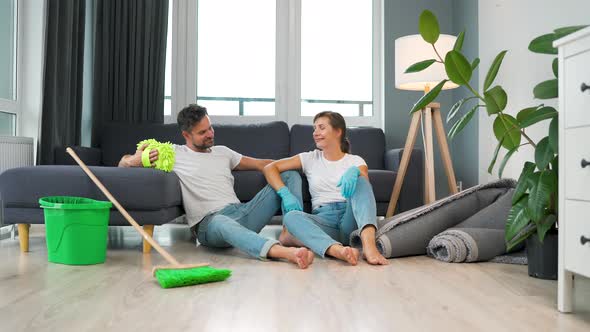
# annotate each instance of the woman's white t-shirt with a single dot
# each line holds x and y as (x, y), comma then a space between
(323, 175)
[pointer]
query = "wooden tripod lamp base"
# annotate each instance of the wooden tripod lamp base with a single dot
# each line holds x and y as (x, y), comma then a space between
(430, 115)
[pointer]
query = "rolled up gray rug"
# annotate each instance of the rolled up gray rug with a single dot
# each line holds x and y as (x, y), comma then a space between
(409, 233)
(478, 238)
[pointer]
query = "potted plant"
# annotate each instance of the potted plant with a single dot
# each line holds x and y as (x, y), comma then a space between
(534, 205)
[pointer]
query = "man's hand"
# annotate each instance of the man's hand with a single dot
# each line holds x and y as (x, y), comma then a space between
(135, 159)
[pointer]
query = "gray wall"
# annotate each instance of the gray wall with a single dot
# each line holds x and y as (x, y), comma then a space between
(401, 19)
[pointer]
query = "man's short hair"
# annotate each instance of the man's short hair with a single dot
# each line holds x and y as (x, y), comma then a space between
(190, 116)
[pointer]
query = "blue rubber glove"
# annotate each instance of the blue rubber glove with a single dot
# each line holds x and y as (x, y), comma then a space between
(348, 180)
(290, 202)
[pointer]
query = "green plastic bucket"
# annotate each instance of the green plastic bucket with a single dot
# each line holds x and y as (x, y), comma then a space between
(76, 229)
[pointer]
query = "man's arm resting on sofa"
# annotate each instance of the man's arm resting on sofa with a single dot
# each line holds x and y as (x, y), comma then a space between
(134, 160)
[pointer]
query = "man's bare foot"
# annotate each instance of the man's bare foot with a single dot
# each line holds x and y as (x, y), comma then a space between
(301, 256)
(288, 240)
(374, 257)
(347, 254)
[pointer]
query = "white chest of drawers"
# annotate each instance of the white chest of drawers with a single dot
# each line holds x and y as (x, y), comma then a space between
(574, 163)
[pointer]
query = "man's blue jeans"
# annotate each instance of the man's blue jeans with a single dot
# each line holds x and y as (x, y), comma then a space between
(237, 225)
(332, 223)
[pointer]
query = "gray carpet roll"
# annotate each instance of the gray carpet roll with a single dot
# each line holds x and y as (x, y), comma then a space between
(410, 233)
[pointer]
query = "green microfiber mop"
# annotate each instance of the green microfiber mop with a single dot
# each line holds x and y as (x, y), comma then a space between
(174, 275)
(169, 278)
(166, 154)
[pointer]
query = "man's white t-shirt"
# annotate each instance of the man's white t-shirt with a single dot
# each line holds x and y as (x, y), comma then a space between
(205, 180)
(323, 175)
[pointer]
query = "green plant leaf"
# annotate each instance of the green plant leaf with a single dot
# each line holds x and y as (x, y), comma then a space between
(553, 134)
(495, 99)
(522, 184)
(429, 97)
(555, 67)
(461, 123)
(543, 153)
(428, 26)
(543, 183)
(546, 90)
(474, 64)
(525, 113)
(506, 127)
(543, 113)
(459, 42)
(458, 68)
(555, 164)
(543, 44)
(455, 109)
(495, 157)
(517, 220)
(527, 231)
(420, 66)
(505, 161)
(493, 71)
(545, 225)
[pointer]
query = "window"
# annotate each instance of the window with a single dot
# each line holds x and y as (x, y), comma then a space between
(253, 61)
(336, 57)
(7, 124)
(8, 49)
(8, 39)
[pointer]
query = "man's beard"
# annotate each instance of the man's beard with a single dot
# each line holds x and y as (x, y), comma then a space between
(205, 145)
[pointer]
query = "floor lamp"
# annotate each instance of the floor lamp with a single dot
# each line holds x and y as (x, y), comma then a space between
(409, 50)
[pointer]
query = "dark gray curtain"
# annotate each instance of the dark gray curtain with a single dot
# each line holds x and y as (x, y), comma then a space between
(62, 83)
(129, 62)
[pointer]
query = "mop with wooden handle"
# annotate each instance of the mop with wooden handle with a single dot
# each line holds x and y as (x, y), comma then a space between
(174, 275)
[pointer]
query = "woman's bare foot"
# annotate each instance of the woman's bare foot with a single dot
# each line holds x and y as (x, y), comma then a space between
(288, 240)
(347, 254)
(374, 257)
(370, 252)
(303, 257)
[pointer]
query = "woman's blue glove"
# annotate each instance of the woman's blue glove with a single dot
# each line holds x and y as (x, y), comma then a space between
(348, 180)
(290, 202)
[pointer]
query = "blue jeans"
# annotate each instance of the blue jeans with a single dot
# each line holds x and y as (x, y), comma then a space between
(237, 225)
(332, 223)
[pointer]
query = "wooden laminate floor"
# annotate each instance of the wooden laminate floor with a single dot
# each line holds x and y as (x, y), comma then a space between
(411, 294)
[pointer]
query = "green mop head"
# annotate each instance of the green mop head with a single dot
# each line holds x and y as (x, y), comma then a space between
(166, 154)
(169, 278)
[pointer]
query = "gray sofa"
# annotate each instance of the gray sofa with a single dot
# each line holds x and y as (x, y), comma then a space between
(153, 197)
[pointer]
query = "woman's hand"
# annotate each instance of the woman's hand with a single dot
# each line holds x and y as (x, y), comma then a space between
(348, 180)
(290, 202)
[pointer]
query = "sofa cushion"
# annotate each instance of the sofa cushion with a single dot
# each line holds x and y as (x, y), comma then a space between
(135, 188)
(267, 140)
(369, 143)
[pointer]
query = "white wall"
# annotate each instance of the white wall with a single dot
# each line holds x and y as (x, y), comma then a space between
(31, 53)
(511, 25)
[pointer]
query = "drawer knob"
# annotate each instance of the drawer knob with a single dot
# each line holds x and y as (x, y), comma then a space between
(584, 87)
(584, 239)
(584, 163)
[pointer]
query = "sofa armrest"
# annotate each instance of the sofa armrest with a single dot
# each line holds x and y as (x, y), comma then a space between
(412, 193)
(90, 156)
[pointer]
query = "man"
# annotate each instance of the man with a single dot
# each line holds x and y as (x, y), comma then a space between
(213, 210)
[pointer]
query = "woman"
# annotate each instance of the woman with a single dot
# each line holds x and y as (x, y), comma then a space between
(341, 196)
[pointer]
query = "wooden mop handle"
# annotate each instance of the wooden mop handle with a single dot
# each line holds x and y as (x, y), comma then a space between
(130, 219)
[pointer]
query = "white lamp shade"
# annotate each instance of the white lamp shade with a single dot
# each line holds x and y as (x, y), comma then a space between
(412, 49)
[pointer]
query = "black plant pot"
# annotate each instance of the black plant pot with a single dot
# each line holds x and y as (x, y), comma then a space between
(542, 257)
